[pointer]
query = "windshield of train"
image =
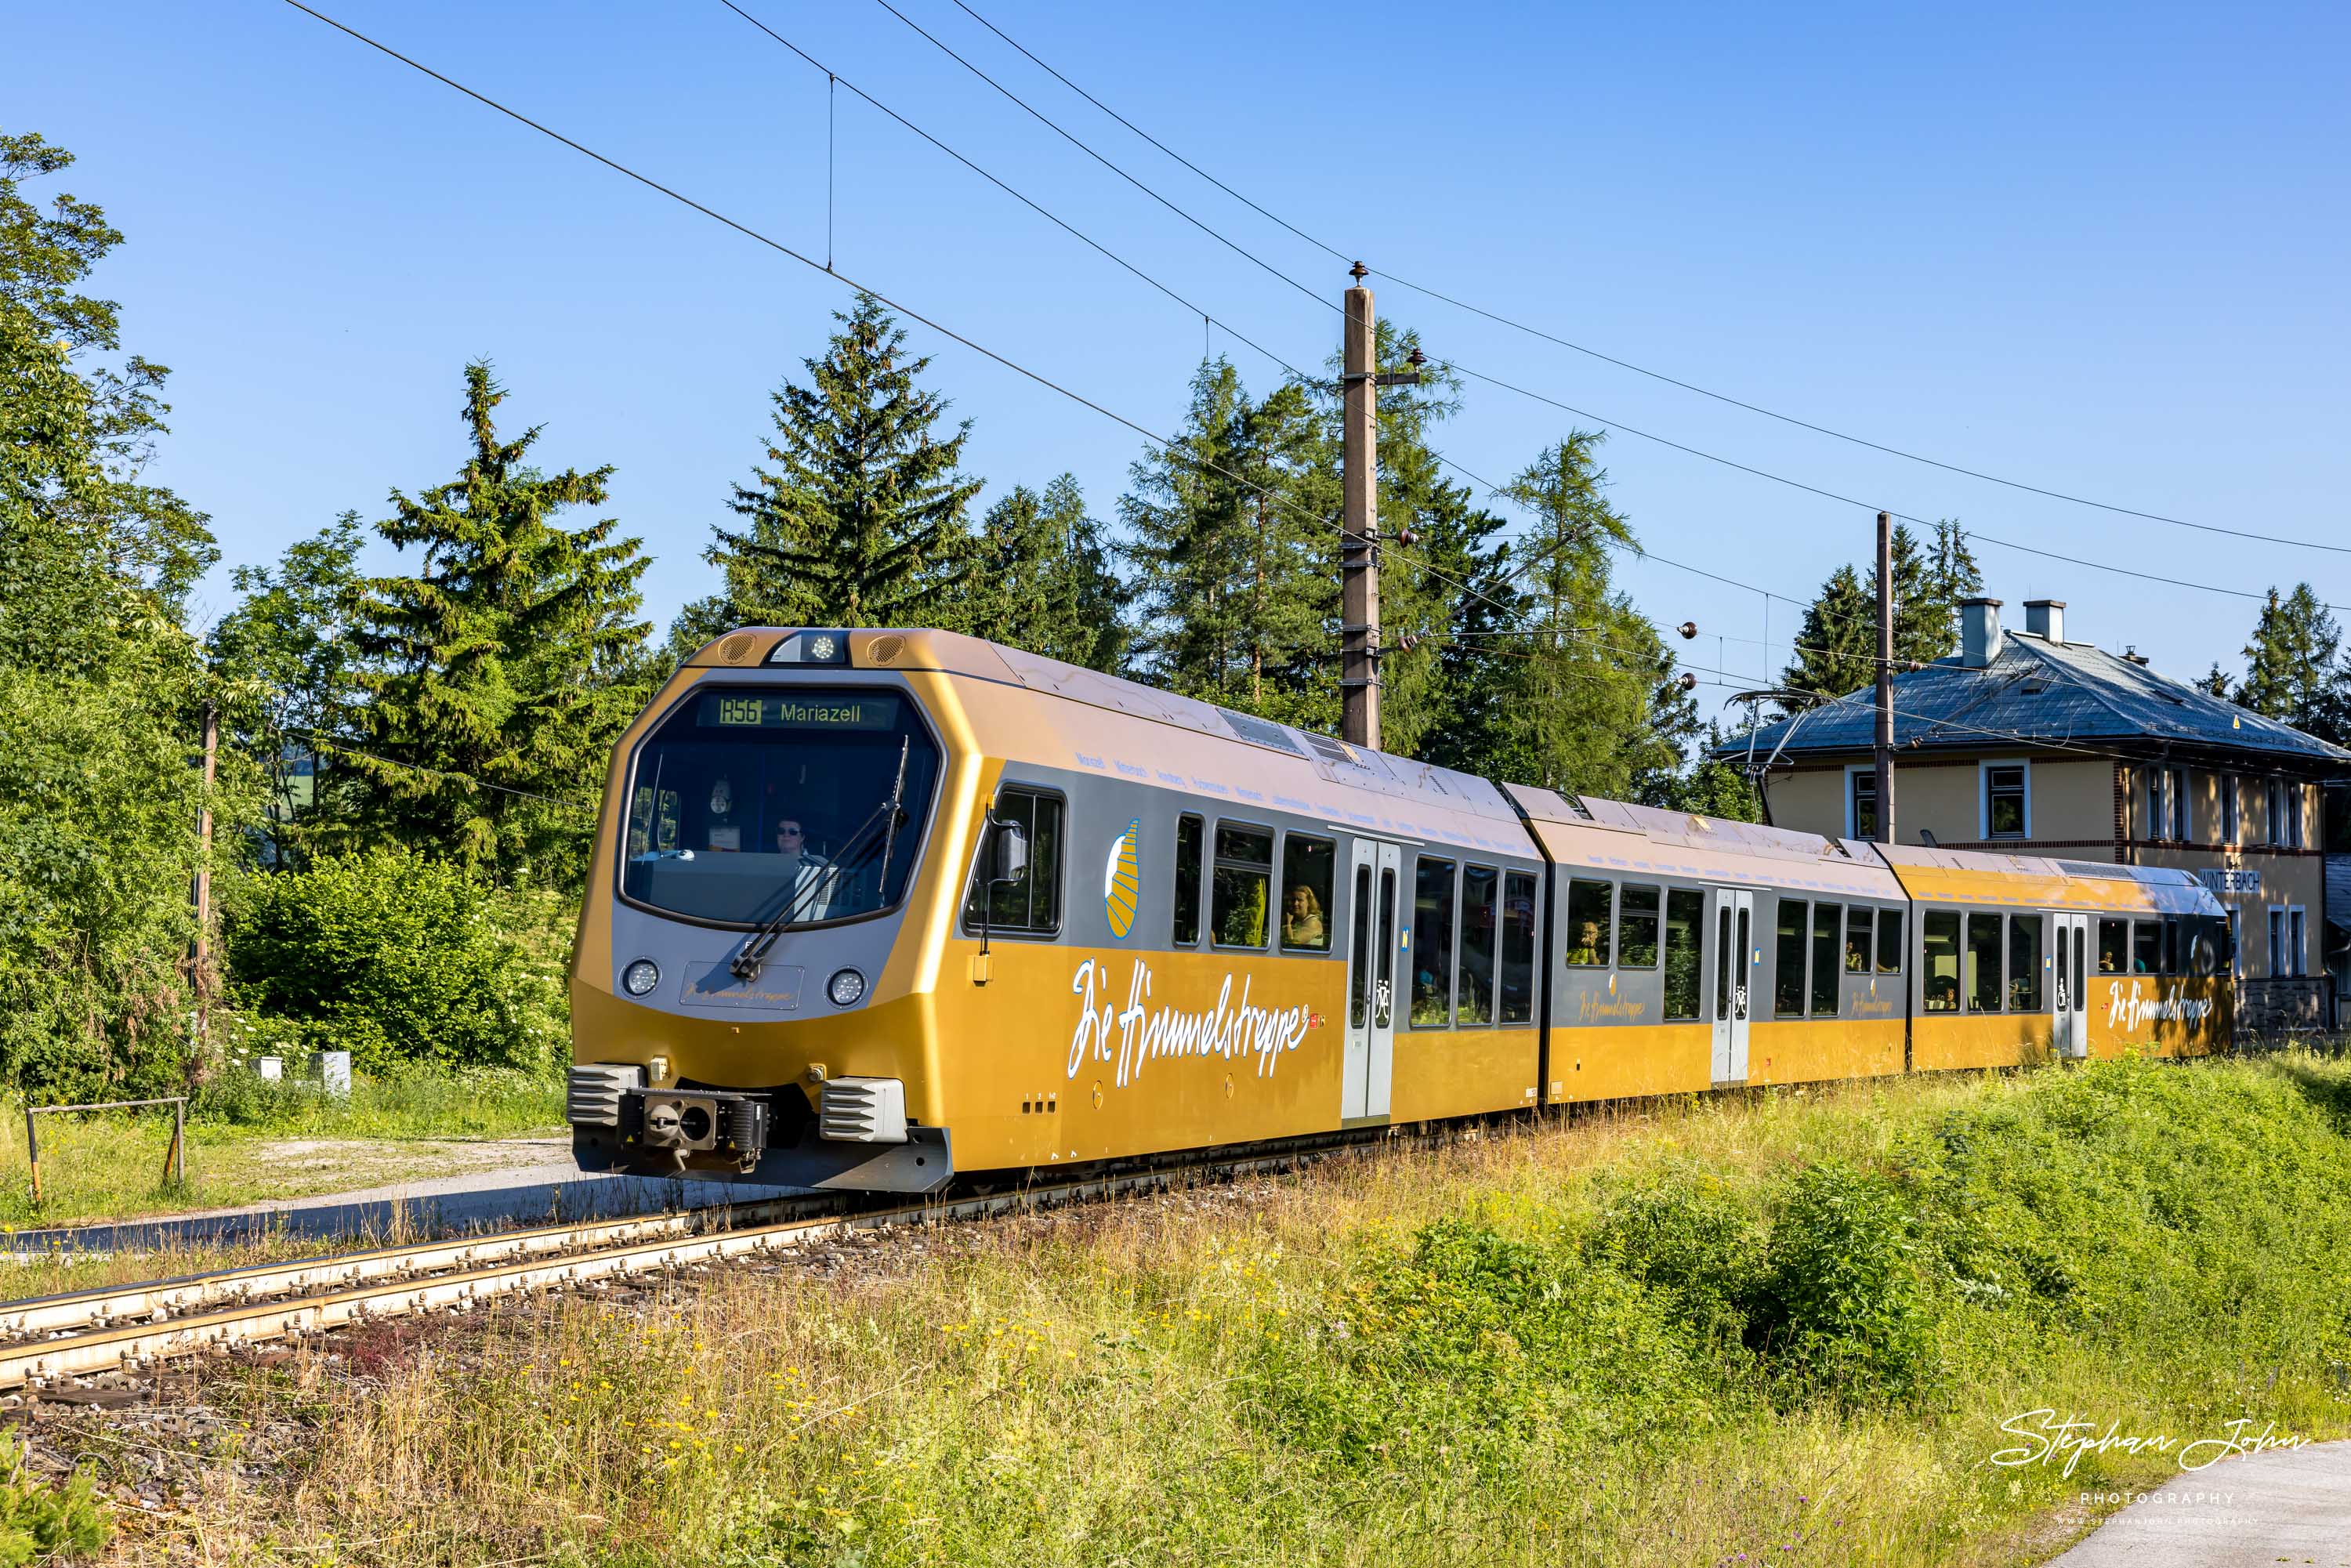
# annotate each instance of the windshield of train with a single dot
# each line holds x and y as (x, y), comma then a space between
(747, 803)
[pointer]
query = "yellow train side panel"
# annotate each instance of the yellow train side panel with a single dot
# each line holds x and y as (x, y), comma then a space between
(2155, 1015)
(1943, 1042)
(1816, 1050)
(1464, 1072)
(1631, 1062)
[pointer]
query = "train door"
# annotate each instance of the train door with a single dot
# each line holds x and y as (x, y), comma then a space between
(1374, 893)
(2071, 969)
(1734, 973)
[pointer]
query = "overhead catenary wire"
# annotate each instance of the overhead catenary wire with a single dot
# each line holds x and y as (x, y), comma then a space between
(1518, 326)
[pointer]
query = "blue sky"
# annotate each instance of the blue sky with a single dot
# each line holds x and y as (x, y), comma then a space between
(2101, 250)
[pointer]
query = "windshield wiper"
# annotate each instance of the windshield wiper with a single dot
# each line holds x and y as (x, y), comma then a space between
(884, 818)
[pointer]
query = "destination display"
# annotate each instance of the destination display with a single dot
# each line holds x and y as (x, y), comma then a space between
(722, 710)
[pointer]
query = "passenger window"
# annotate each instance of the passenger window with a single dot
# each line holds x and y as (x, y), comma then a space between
(1432, 943)
(1359, 964)
(1518, 999)
(1636, 928)
(1244, 882)
(2113, 947)
(2147, 947)
(1828, 921)
(1473, 998)
(1188, 878)
(1983, 963)
(1788, 963)
(1308, 865)
(2025, 963)
(1031, 905)
(2171, 944)
(1684, 932)
(1889, 941)
(1587, 924)
(1939, 942)
(1857, 935)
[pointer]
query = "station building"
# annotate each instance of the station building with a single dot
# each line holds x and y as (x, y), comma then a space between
(2026, 742)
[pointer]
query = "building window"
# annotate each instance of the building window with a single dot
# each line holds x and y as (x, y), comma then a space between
(2007, 808)
(1861, 813)
(1030, 905)
(1788, 961)
(2290, 792)
(2167, 805)
(1242, 886)
(1685, 930)
(2294, 942)
(1586, 938)
(1939, 945)
(2273, 816)
(1431, 944)
(1307, 868)
(2233, 808)
(2285, 941)
(1473, 993)
(1517, 948)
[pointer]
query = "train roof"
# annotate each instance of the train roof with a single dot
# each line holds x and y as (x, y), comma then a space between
(1617, 836)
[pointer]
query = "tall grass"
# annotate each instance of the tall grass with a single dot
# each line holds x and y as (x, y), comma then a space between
(1787, 1327)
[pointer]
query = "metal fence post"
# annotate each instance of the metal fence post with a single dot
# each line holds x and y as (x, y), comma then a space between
(32, 1152)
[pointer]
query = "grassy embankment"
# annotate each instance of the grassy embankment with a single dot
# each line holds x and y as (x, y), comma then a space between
(270, 1142)
(1787, 1327)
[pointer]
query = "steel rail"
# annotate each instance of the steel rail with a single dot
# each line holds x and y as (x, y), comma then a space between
(388, 1283)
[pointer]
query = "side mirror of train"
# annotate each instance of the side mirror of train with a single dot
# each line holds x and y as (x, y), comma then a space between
(1008, 853)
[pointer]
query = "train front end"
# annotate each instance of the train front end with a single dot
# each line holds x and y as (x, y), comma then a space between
(751, 989)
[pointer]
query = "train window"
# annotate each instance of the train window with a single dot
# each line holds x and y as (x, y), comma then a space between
(1517, 1003)
(1828, 919)
(2208, 944)
(2171, 944)
(1359, 963)
(1243, 885)
(1722, 956)
(2113, 947)
(1307, 867)
(1636, 928)
(1473, 995)
(1788, 968)
(1384, 945)
(1432, 943)
(1858, 932)
(2147, 947)
(1188, 878)
(1587, 922)
(1940, 943)
(1889, 941)
(1030, 905)
(1684, 932)
(2025, 963)
(1983, 963)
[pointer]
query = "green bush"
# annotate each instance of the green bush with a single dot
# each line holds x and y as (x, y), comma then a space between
(39, 1522)
(1842, 1305)
(404, 962)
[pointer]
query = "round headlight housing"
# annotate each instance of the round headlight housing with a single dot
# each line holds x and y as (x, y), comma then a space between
(846, 988)
(822, 647)
(640, 977)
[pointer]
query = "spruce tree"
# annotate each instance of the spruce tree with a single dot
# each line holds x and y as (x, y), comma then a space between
(2293, 668)
(1951, 575)
(1041, 578)
(494, 678)
(1836, 646)
(860, 518)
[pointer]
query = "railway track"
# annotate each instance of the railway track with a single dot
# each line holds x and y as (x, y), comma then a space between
(58, 1342)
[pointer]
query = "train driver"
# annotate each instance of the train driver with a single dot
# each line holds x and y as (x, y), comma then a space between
(807, 878)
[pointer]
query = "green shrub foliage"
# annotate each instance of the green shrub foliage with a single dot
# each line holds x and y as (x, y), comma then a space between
(403, 961)
(42, 1523)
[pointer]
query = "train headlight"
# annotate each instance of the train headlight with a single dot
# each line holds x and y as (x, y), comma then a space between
(640, 977)
(823, 646)
(845, 987)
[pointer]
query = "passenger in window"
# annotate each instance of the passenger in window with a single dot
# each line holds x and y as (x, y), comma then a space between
(1587, 950)
(1302, 923)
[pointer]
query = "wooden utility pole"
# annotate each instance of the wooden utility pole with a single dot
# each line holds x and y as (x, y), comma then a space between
(1359, 528)
(1884, 834)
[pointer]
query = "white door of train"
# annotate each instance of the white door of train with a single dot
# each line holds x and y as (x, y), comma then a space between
(1375, 892)
(1734, 974)
(2070, 965)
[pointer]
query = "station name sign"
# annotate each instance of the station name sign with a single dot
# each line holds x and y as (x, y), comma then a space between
(2231, 881)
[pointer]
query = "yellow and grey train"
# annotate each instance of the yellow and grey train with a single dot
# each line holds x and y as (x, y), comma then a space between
(873, 910)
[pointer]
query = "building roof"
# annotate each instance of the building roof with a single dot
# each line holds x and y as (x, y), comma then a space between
(2033, 691)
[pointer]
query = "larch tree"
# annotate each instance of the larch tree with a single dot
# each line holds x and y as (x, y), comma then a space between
(489, 698)
(859, 516)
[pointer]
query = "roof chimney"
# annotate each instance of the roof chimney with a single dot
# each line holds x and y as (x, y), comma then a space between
(1978, 632)
(2045, 618)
